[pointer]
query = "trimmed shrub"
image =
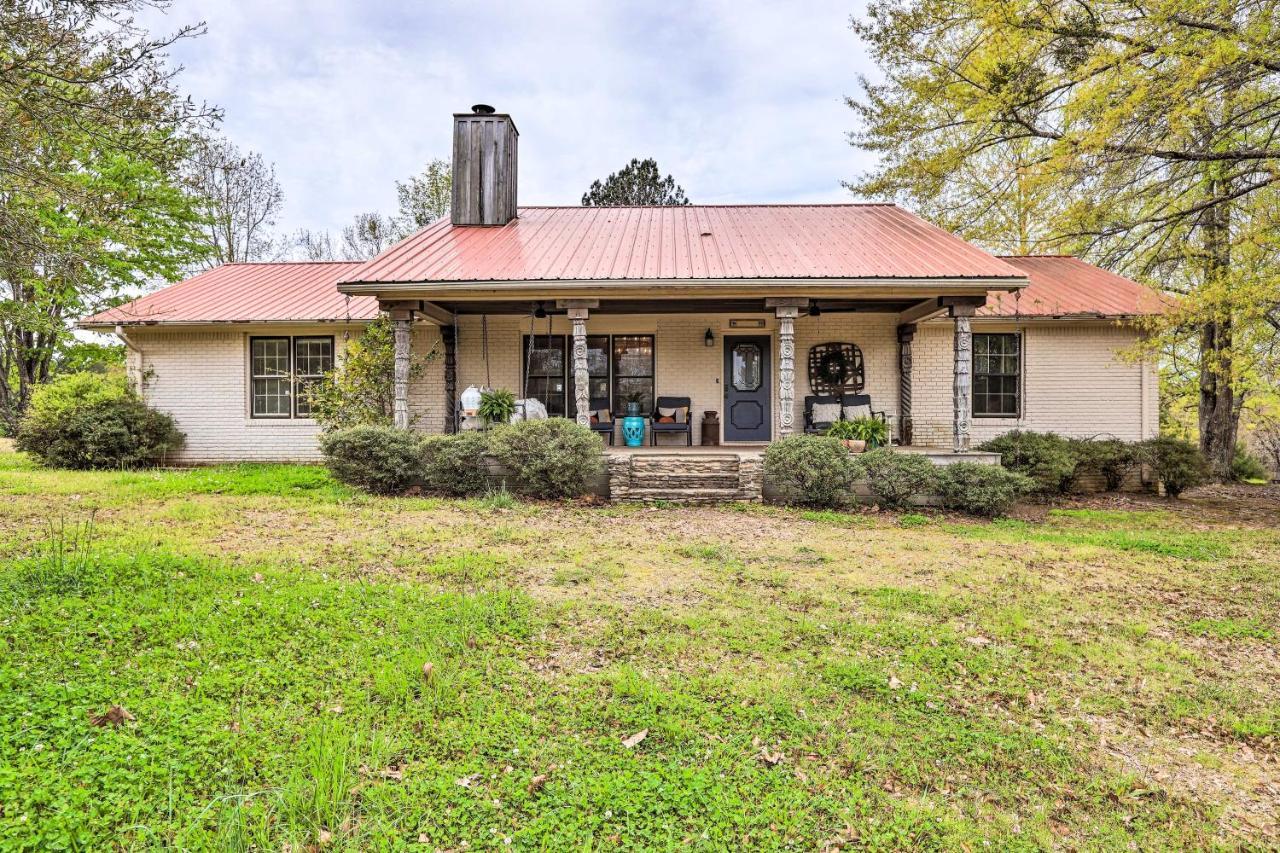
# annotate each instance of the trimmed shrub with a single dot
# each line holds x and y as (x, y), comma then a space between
(1176, 463)
(986, 490)
(895, 478)
(1110, 458)
(551, 458)
(810, 470)
(456, 464)
(1045, 457)
(1245, 466)
(379, 459)
(91, 420)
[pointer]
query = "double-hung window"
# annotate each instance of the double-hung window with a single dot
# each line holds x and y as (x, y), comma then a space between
(280, 371)
(619, 368)
(997, 375)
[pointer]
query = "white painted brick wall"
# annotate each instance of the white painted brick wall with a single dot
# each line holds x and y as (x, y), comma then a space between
(1075, 382)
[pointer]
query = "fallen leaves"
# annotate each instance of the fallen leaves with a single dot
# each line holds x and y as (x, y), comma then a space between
(428, 671)
(116, 715)
(395, 772)
(634, 741)
(536, 783)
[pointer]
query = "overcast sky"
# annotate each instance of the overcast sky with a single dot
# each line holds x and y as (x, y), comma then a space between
(740, 100)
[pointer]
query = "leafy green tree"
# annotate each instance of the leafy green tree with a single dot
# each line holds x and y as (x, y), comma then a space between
(1139, 133)
(366, 236)
(92, 136)
(637, 183)
(360, 390)
(424, 198)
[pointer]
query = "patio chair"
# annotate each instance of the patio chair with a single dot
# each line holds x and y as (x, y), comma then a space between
(602, 427)
(816, 427)
(656, 425)
(851, 400)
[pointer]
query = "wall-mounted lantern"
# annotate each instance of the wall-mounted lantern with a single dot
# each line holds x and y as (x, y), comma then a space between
(709, 338)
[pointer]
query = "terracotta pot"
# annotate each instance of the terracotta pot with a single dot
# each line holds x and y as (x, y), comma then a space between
(854, 445)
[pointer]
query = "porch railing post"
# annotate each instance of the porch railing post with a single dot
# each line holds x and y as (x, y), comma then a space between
(786, 369)
(581, 377)
(962, 389)
(402, 328)
(906, 428)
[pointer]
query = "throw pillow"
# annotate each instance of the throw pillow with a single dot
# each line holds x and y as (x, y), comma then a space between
(852, 413)
(666, 419)
(826, 413)
(678, 414)
(605, 416)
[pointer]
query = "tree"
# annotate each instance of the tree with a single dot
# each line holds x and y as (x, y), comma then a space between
(424, 198)
(360, 391)
(239, 199)
(367, 235)
(639, 183)
(311, 245)
(1146, 130)
(92, 136)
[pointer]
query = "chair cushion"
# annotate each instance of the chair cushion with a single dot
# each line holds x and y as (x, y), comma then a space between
(825, 413)
(595, 419)
(677, 414)
(861, 410)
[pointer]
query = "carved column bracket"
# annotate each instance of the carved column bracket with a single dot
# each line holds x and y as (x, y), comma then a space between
(786, 369)
(962, 389)
(906, 428)
(581, 377)
(449, 342)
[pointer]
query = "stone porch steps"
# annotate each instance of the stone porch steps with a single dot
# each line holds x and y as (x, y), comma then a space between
(683, 478)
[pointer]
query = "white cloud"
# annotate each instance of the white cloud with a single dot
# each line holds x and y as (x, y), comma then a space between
(741, 101)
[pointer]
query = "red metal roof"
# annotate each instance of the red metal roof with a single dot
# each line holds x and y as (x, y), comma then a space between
(699, 242)
(1063, 286)
(248, 293)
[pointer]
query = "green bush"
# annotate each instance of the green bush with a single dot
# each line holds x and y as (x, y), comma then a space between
(986, 490)
(549, 458)
(1045, 457)
(1176, 463)
(1110, 458)
(894, 478)
(456, 464)
(92, 420)
(1245, 466)
(379, 459)
(810, 470)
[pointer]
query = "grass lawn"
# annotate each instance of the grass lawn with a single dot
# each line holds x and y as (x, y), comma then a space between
(305, 667)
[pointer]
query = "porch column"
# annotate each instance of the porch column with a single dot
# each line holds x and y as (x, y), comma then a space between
(786, 369)
(402, 326)
(962, 388)
(449, 341)
(581, 378)
(906, 334)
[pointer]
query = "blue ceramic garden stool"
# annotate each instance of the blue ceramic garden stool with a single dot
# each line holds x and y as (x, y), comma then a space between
(633, 431)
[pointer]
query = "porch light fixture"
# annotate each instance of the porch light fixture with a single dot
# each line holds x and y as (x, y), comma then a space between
(709, 338)
(540, 311)
(814, 309)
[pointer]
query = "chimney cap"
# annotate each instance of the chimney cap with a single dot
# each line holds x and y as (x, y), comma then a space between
(483, 109)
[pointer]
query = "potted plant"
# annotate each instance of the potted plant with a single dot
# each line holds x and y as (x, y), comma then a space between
(633, 405)
(873, 431)
(844, 431)
(497, 406)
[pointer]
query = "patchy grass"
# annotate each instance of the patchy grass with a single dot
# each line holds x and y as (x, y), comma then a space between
(306, 666)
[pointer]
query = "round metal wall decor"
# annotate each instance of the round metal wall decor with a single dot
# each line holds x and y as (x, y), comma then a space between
(836, 368)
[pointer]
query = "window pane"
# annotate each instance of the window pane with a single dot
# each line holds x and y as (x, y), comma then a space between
(632, 388)
(633, 355)
(312, 356)
(550, 390)
(546, 364)
(996, 380)
(746, 367)
(271, 398)
(270, 357)
(598, 356)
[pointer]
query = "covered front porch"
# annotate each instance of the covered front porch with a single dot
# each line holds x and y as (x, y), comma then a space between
(740, 368)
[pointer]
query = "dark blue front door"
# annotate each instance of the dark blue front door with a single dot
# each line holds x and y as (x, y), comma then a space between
(746, 388)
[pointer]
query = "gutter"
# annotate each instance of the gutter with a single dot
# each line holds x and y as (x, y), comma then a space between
(119, 332)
